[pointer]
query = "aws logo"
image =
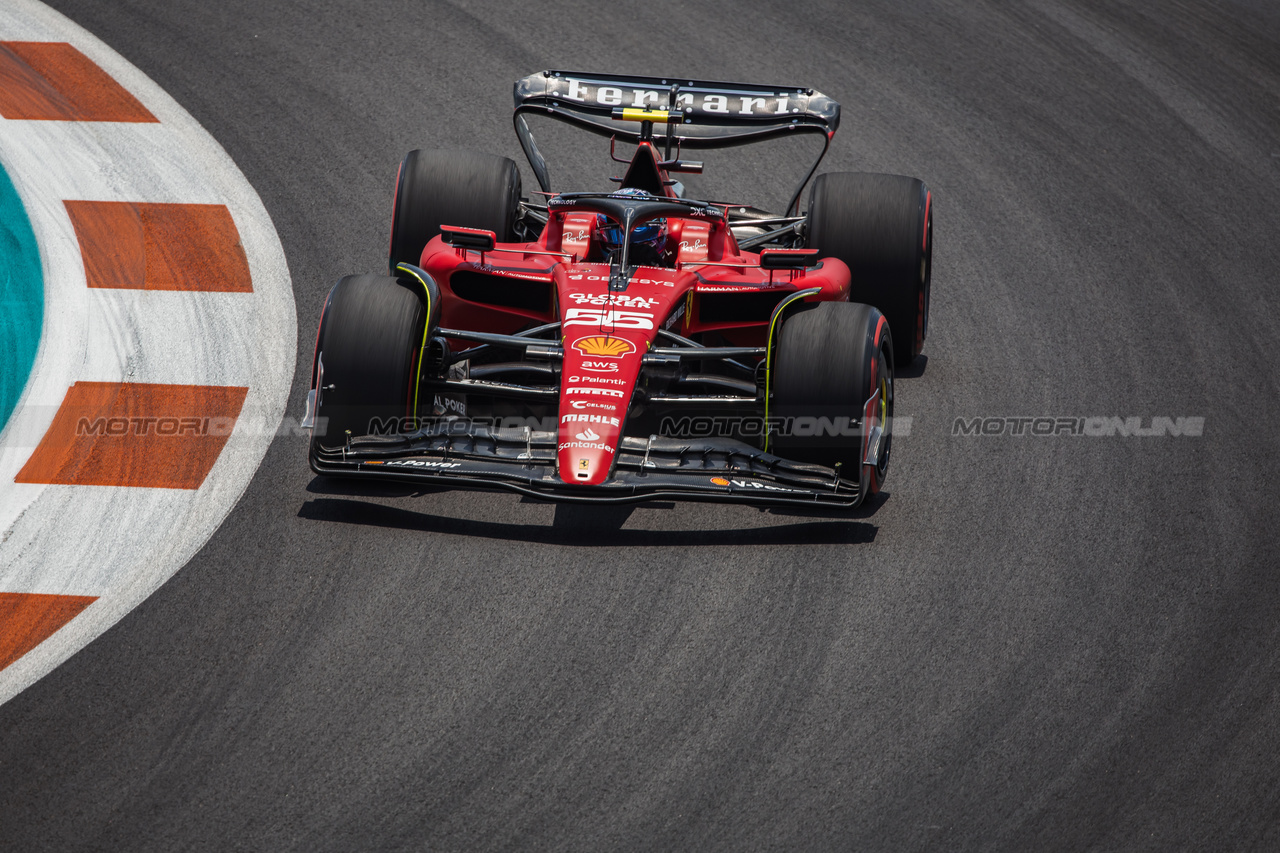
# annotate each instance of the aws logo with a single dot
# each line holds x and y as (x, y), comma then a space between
(605, 346)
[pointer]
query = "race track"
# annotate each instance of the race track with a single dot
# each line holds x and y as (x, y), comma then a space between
(1030, 642)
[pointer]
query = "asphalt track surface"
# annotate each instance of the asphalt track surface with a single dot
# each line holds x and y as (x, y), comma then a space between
(1029, 643)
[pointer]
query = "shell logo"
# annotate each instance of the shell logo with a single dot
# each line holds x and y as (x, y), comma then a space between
(603, 345)
(720, 481)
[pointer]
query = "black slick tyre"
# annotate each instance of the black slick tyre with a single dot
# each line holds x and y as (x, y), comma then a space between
(366, 358)
(830, 360)
(882, 227)
(463, 188)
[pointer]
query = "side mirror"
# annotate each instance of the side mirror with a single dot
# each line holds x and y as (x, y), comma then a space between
(468, 238)
(788, 259)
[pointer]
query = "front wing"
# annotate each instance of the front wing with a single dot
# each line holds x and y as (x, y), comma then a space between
(524, 461)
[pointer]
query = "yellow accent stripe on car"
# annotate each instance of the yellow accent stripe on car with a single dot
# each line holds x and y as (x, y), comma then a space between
(768, 349)
(426, 327)
(656, 116)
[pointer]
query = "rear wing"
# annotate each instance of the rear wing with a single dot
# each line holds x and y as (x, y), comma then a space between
(697, 113)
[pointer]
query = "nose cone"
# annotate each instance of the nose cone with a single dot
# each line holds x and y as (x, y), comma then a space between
(600, 372)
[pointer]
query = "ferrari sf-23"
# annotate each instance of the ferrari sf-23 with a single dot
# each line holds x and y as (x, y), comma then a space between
(630, 344)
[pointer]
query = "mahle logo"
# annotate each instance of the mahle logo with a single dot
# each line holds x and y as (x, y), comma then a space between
(603, 345)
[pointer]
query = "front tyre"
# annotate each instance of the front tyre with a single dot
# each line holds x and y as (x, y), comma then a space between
(367, 355)
(832, 386)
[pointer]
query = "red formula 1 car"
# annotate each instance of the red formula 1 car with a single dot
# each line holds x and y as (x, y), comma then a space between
(630, 344)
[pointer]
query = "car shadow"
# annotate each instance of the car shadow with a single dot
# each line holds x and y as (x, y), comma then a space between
(586, 525)
(914, 370)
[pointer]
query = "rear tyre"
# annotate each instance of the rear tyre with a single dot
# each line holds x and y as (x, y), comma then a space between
(882, 227)
(464, 188)
(831, 358)
(366, 358)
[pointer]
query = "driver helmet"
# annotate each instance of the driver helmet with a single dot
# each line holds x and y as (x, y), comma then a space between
(648, 241)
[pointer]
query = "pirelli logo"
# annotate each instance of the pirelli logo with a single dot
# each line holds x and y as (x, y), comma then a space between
(595, 392)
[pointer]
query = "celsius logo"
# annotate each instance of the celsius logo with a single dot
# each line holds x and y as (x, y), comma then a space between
(600, 366)
(604, 346)
(590, 404)
(587, 434)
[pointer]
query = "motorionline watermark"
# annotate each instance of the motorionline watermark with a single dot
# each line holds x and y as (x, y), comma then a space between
(675, 427)
(156, 425)
(30, 430)
(1090, 426)
(800, 426)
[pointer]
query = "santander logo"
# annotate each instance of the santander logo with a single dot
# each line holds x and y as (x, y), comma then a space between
(587, 434)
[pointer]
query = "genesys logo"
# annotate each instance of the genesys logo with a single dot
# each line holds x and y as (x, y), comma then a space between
(619, 299)
(601, 317)
(634, 280)
(603, 346)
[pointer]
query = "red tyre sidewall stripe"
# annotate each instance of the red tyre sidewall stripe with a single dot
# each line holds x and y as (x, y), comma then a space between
(924, 238)
(395, 206)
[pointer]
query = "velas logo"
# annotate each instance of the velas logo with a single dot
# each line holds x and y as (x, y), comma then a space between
(604, 346)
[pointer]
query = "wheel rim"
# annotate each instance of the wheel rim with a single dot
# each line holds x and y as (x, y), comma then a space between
(884, 384)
